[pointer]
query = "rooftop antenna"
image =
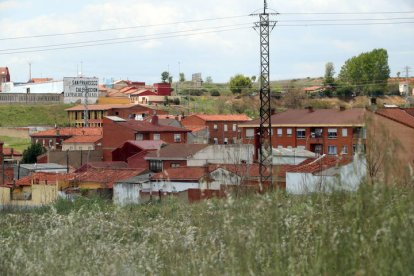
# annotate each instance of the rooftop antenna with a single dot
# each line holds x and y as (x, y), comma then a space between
(264, 27)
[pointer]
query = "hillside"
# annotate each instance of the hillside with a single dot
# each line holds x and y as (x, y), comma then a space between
(369, 232)
(28, 115)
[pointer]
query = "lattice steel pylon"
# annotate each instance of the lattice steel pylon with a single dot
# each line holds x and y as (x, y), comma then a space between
(265, 26)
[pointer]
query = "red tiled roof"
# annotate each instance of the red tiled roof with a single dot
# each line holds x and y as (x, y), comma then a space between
(7, 151)
(409, 111)
(312, 88)
(183, 173)
(314, 165)
(143, 126)
(195, 128)
(251, 170)
(83, 139)
(223, 117)
(102, 107)
(317, 117)
(126, 89)
(107, 177)
(397, 115)
(40, 80)
(41, 177)
(176, 151)
(102, 165)
(69, 131)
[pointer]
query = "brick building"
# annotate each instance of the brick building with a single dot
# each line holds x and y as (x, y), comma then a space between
(222, 129)
(116, 131)
(323, 131)
(53, 138)
(399, 123)
(97, 112)
(133, 152)
(4, 76)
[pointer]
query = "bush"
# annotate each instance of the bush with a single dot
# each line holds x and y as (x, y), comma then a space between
(214, 93)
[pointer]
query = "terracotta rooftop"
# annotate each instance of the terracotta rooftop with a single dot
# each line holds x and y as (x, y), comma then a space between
(41, 177)
(107, 176)
(184, 173)
(83, 139)
(69, 131)
(176, 151)
(314, 165)
(142, 126)
(102, 107)
(223, 117)
(102, 165)
(40, 80)
(402, 116)
(315, 117)
(7, 152)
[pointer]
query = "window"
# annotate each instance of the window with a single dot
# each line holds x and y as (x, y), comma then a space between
(279, 132)
(344, 132)
(177, 138)
(139, 136)
(249, 133)
(301, 133)
(344, 150)
(332, 133)
(234, 127)
(289, 132)
(226, 141)
(332, 150)
(215, 141)
(155, 165)
(157, 137)
(225, 127)
(215, 126)
(175, 165)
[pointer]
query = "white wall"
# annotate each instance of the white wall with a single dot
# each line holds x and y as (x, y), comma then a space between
(44, 87)
(222, 177)
(170, 186)
(346, 177)
(222, 154)
(126, 193)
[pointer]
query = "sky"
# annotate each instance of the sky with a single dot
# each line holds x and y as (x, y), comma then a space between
(212, 37)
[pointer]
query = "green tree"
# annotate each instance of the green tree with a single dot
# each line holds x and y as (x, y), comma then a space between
(165, 76)
(209, 80)
(367, 73)
(182, 77)
(329, 79)
(32, 152)
(253, 78)
(240, 84)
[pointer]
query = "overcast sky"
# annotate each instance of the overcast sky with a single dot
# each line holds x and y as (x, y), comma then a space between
(295, 51)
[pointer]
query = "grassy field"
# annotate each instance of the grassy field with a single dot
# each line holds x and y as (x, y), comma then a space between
(19, 144)
(370, 232)
(26, 115)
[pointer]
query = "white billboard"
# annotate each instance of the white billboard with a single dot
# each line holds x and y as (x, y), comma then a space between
(74, 90)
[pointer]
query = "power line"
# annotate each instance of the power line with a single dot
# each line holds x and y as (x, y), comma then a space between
(121, 28)
(121, 42)
(122, 38)
(344, 13)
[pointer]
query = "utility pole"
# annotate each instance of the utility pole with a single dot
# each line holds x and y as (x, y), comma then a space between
(407, 91)
(265, 26)
(85, 105)
(30, 71)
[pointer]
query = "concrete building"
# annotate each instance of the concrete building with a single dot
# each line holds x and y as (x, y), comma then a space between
(4, 76)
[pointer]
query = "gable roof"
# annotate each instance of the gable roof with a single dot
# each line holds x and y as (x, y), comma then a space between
(69, 131)
(142, 126)
(223, 117)
(183, 173)
(83, 139)
(402, 116)
(107, 176)
(324, 162)
(146, 144)
(102, 165)
(175, 152)
(41, 177)
(316, 117)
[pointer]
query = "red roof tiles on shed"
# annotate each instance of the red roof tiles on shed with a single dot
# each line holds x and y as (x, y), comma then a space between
(69, 131)
(184, 173)
(398, 115)
(107, 176)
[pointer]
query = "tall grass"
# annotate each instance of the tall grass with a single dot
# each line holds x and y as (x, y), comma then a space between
(370, 232)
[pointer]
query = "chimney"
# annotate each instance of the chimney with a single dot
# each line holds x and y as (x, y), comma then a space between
(310, 109)
(154, 120)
